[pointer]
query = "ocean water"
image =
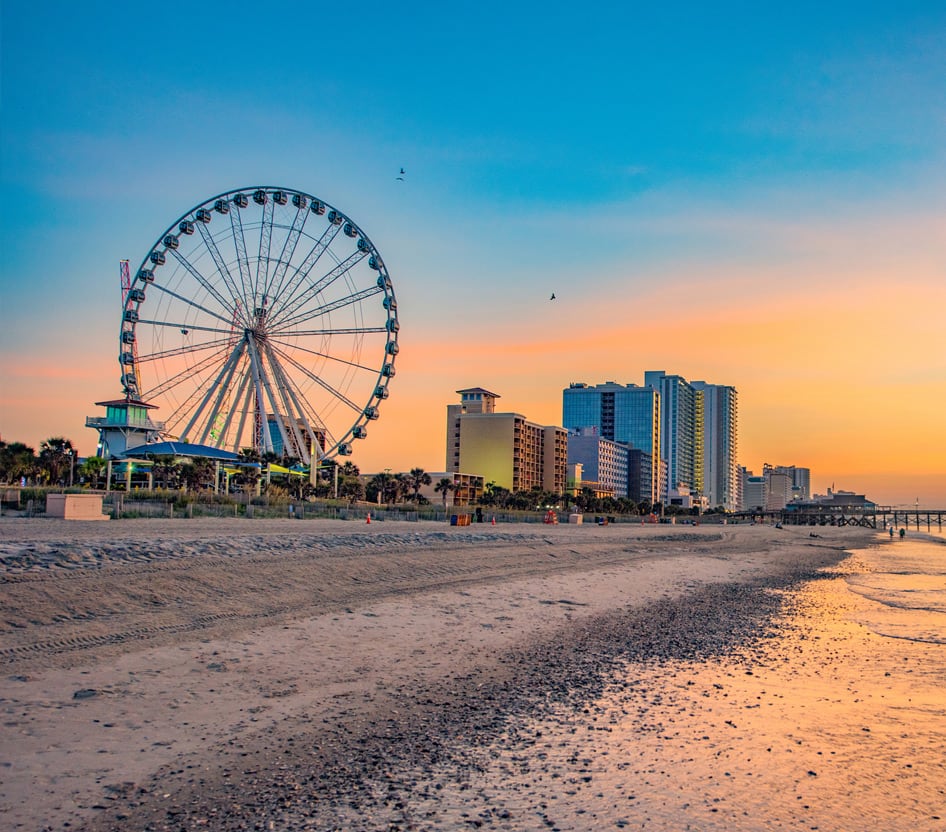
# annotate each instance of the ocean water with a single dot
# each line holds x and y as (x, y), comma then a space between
(906, 586)
(836, 722)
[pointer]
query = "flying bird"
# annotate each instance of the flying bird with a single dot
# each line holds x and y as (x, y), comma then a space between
(553, 296)
(401, 177)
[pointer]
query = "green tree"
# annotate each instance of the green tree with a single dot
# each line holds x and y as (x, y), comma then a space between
(402, 487)
(249, 470)
(166, 471)
(626, 505)
(501, 496)
(444, 486)
(380, 487)
(17, 460)
(520, 501)
(198, 473)
(93, 469)
(351, 489)
(56, 456)
(488, 497)
(418, 479)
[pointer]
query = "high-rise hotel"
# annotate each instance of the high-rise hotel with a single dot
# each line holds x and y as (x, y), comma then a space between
(685, 432)
(622, 413)
(504, 448)
(721, 478)
(681, 431)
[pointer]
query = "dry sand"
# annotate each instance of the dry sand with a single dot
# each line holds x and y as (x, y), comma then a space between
(231, 674)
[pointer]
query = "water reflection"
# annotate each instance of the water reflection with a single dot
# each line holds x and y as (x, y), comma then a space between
(830, 725)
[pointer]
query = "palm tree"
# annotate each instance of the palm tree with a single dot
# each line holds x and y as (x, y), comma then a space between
(16, 461)
(198, 473)
(418, 479)
(400, 487)
(378, 487)
(627, 505)
(166, 471)
(249, 468)
(500, 496)
(55, 458)
(351, 489)
(93, 467)
(443, 486)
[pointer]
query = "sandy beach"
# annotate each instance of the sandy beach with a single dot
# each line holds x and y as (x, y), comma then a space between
(335, 675)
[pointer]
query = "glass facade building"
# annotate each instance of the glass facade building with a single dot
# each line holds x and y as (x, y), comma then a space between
(621, 413)
(681, 419)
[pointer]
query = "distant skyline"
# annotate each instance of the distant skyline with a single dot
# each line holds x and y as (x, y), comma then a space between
(753, 197)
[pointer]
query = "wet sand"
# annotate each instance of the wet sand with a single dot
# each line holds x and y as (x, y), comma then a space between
(819, 719)
(323, 674)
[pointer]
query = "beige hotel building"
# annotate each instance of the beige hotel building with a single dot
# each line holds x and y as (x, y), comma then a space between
(504, 448)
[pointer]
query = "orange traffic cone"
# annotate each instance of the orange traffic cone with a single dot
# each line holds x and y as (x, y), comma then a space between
(369, 518)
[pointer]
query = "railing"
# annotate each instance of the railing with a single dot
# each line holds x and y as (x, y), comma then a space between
(99, 422)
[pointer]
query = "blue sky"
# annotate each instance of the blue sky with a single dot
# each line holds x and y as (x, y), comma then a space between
(638, 160)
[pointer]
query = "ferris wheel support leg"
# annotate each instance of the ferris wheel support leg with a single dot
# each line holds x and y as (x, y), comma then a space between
(265, 440)
(291, 405)
(244, 395)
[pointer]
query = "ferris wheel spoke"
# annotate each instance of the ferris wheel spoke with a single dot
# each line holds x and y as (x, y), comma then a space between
(265, 238)
(208, 286)
(299, 277)
(325, 309)
(328, 388)
(239, 242)
(355, 330)
(320, 285)
(215, 387)
(317, 426)
(194, 305)
(181, 414)
(185, 327)
(307, 412)
(274, 287)
(284, 417)
(183, 376)
(185, 350)
(318, 433)
(222, 268)
(319, 354)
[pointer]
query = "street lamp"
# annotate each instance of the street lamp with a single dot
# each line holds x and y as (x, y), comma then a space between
(72, 466)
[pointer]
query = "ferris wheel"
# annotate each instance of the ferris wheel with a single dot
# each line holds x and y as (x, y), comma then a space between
(262, 318)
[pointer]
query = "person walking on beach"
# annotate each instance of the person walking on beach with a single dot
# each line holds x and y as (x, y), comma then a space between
(891, 532)
(902, 533)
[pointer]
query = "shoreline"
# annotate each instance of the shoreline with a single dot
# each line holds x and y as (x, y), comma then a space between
(417, 651)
